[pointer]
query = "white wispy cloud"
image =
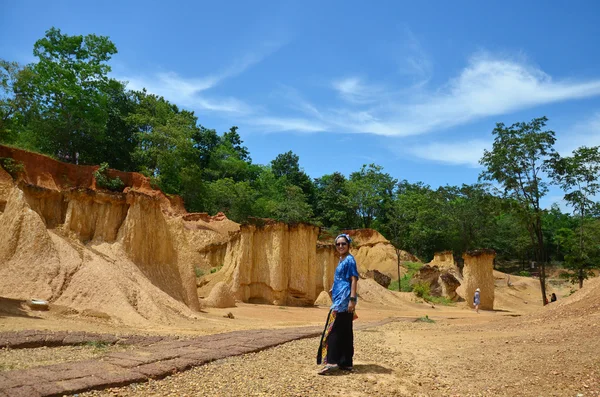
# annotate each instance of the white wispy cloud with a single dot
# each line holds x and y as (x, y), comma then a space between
(455, 153)
(585, 133)
(354, 90)
(487, 86)
(171, 84)
(295, 101)
(191, 91)
(273, 124)
(415, 61)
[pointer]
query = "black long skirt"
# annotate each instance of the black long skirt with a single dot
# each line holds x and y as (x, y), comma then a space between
(338, 341)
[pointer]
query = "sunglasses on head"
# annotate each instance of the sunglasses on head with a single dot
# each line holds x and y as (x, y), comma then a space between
(341, 244)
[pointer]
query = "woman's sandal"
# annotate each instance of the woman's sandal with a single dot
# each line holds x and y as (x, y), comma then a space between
(326, 370)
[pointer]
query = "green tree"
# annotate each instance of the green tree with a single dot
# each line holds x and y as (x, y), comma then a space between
(236, 199)
(165, 149)
(397, 233)
(569, 242)
(333, 202)
(472, 211)
(120, 138)
(269, 192)
(225, 162)
(223, 165)
(518, 161)
(371, 190)
(223, 156)
(293, 208)
(206, 142)
(578, 175)
(232, 139)
(70, 83)
(8, 77)
(553, 221)
(16, 102)
(420, 220)
(511, 239)
(288, 165)
(194, 189)
(286, 168)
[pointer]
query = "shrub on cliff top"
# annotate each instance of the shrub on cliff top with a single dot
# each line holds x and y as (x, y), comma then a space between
(104, 181)
(11, 166)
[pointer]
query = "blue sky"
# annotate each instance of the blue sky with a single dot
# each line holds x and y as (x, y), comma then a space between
(415, 87)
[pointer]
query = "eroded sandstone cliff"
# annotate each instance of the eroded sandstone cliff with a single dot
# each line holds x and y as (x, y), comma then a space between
(135, 254)
(284, 264)
(478, 272)
(374, 252)
(449, 278)
(276, 263)
(62, 239)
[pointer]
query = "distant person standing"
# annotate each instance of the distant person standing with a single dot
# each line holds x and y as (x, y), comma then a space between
(337, 342)
(476, 300)
(553, 297)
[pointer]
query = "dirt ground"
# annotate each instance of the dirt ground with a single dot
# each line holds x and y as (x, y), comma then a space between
(445, 358)
(520, 349)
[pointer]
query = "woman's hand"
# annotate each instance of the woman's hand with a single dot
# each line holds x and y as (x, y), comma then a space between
(351, 306)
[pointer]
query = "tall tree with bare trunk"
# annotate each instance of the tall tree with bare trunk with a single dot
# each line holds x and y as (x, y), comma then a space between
(518, 161)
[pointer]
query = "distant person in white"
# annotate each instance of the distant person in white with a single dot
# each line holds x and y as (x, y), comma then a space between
(476, 300)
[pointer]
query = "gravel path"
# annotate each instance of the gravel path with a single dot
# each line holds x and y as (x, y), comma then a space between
(288, 370)
(11, 359)
(409, 359)
(451, 357)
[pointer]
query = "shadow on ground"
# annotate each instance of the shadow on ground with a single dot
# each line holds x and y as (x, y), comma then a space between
(371, 369)
(362, 369)
(14, 308)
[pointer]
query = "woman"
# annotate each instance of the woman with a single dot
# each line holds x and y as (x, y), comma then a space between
(337, 342)
(476, 300)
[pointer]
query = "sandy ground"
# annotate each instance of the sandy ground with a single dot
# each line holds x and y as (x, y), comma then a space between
(488, 355)
(462, 353)
(520, 349)
(445, 358)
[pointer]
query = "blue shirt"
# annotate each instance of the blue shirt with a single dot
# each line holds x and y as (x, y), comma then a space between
(342, 281)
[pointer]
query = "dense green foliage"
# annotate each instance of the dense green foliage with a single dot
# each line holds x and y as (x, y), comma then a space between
(65, 105)
(404, 284)
(579, 176)
(517, 161)
(103, 180)
(11, 166)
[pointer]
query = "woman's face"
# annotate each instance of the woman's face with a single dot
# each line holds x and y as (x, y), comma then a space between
(342, 246)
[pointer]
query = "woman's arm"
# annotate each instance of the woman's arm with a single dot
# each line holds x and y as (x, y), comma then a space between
(352, 303)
